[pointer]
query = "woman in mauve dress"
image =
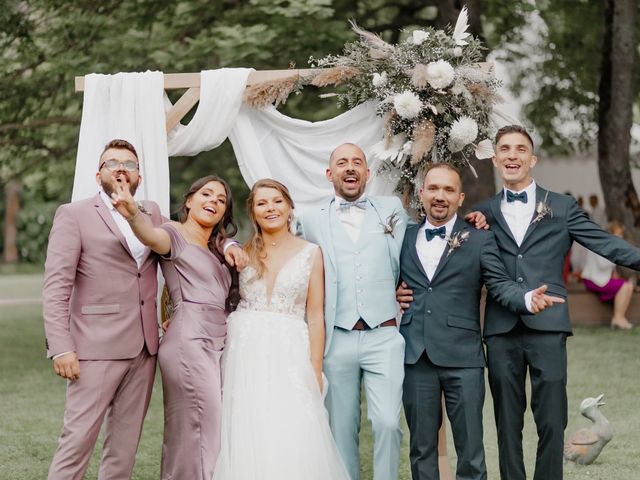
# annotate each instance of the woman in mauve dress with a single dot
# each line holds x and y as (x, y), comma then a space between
(198, 282)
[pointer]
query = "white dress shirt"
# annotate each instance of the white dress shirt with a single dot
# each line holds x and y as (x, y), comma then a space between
(430, 253)
(517, 214)
(138, 250)
(351, 218)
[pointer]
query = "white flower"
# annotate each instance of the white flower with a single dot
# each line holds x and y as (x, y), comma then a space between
(484, 149)
(379, 79)
(460, 30)
(457, 52)
(389, 150)
(418, 37)
(407, 104)
(463, 132)
(440, 74)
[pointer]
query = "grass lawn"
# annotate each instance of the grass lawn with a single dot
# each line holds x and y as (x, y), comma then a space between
(32, 403)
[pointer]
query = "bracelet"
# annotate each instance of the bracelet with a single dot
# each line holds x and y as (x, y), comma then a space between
(134, 217)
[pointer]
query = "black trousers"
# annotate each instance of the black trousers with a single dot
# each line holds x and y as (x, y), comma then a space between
(463, 389)
(544, 356)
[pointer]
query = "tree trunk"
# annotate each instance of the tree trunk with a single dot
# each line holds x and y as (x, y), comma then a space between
(475, 189)
(615, 115)
(12, 203)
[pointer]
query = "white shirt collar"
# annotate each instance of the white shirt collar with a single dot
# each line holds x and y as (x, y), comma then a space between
(448, 226)
(530, 189)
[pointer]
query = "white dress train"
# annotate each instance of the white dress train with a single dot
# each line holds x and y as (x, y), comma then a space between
(274, 422)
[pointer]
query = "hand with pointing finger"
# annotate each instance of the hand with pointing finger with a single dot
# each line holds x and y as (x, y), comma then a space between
(540, 300)
(123, 201)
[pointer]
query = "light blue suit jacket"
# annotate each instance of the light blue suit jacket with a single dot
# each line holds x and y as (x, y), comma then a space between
(315, 226)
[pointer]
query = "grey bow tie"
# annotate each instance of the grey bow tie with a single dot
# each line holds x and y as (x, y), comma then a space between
(344, 205)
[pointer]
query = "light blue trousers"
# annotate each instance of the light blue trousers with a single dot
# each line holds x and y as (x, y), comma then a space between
(375, 357)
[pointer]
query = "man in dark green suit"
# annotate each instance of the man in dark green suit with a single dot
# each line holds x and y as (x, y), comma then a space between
(446, 263)
(534, 229)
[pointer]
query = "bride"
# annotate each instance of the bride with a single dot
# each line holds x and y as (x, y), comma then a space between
(274, 423)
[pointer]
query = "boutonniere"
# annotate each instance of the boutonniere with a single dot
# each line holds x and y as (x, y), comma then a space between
(456, 240)
(542, 209)
(142, 208)
(391, 222)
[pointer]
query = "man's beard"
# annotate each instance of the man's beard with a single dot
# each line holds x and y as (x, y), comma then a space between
(109, 188)
(438, 216)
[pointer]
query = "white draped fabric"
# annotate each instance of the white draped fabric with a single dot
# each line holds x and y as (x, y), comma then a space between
(128, 106)
(296, 152)
(266, 142)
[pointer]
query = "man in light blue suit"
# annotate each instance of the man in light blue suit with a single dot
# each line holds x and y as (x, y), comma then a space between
(361, 237)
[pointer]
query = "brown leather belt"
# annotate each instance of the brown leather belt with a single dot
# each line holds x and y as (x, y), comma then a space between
(362, 325)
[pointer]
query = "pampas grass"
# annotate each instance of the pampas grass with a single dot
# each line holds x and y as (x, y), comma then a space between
(378, 48)
(422, 141)
(334, 76)
(419, 76)
(272, 92)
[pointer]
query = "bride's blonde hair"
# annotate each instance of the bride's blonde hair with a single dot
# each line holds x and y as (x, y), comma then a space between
(255, 246)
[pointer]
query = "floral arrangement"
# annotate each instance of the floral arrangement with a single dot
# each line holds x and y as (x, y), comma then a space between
(456, 240)
(431, 89)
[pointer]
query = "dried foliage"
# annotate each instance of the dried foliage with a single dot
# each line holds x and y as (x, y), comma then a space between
(334, 76)
(272, 92)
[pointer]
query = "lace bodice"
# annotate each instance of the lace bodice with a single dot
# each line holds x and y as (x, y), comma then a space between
(289, 294)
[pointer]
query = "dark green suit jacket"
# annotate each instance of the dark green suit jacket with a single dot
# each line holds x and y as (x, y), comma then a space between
(444, 317)
(540, 257)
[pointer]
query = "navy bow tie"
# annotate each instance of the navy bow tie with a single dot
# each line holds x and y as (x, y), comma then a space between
(435, 232)
(344, 205)
(519, 197)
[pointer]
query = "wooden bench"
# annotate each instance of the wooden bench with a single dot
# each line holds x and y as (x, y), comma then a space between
(586, 309)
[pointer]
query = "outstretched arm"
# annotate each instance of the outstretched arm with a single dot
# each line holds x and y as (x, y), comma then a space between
(315, 315)
(155, 238)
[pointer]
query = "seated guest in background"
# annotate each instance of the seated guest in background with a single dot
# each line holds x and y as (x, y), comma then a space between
(600, 277)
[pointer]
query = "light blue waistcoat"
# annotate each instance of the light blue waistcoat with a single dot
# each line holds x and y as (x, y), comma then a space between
(375, 258)
(366, 280)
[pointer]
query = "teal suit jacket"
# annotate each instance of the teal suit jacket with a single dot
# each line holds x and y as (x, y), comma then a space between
(444, 317)
(315, 226)
(540, 257)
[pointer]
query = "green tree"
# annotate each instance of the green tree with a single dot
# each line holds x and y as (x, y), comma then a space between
(44, 44)
(576, 59)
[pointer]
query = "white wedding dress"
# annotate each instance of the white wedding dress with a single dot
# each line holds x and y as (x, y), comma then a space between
(274, 423)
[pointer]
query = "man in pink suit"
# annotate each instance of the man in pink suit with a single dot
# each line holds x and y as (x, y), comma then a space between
(99, 305)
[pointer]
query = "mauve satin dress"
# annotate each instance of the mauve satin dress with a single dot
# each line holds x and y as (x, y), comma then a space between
(189, 358)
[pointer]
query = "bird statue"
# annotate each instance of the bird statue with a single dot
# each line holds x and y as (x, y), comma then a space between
(584, 445)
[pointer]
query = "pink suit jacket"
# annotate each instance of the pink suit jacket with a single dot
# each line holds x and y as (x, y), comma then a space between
(96, 302)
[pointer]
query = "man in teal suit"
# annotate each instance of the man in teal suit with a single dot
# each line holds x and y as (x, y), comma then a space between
(445, 263)
(534, 229)
(361, 238)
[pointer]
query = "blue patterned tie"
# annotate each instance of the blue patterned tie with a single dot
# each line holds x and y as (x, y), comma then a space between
(362, 203)
(435, 232)
(519, 197)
